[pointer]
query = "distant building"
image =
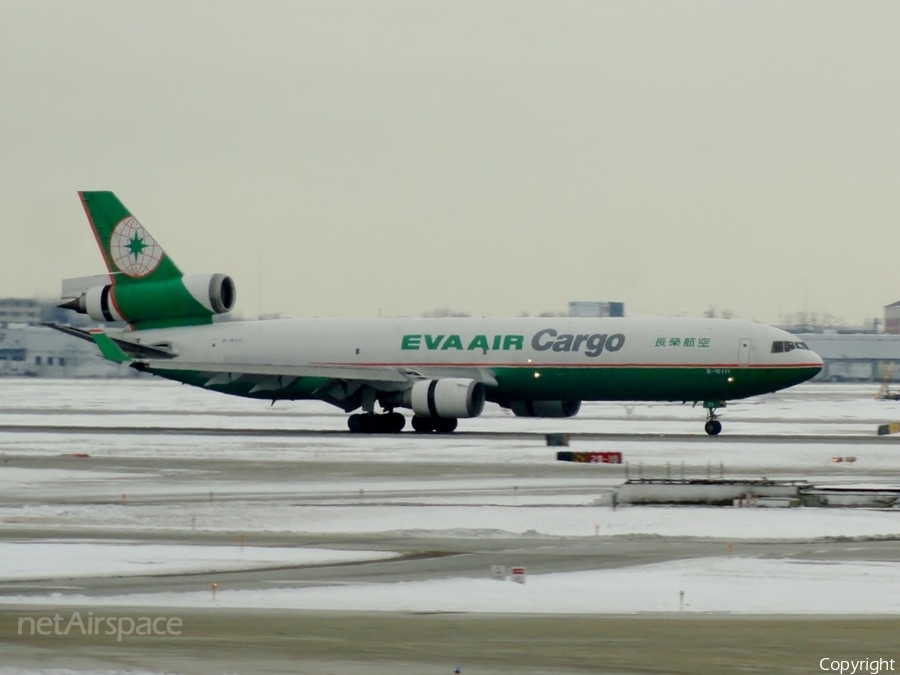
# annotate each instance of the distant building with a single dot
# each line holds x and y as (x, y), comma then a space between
(856, 357)
(596, 309)
(892, 318)
(20, 310)
(37, 351)
(28, 349)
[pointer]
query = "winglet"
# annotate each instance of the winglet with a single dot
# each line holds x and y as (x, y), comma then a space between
(109, 349)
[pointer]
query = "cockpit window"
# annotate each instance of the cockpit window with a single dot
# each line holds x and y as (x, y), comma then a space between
(780, 346)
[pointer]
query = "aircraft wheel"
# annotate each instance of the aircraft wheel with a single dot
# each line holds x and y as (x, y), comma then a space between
(354, 424)
(365, 424)
(713, 427)
(445, 425)
(423, 425)
(391, 423)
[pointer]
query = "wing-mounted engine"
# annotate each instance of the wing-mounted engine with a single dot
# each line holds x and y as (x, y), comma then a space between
(187, 300)
(544, 408)
(448, 397)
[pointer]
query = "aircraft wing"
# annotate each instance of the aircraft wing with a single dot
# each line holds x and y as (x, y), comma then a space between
(153, 357)
(367, 373)
(343, 384)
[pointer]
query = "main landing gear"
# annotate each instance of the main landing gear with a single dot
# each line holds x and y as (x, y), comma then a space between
(370, 423)
(393, 423)
(713, 426)
(440, 425)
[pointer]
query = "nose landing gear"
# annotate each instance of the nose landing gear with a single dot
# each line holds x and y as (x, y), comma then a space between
(713, 426)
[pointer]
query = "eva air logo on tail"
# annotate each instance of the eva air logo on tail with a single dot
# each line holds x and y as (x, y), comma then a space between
(132, 248)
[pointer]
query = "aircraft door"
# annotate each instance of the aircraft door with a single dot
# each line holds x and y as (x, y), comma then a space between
(744, 352)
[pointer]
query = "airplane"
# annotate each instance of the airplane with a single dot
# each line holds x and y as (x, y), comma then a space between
(442, 369)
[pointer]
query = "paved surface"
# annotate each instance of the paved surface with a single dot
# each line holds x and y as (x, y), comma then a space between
(699, 437)
(270, 642)
(243, 641)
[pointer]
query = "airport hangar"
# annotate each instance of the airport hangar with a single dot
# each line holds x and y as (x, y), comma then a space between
(856, 357)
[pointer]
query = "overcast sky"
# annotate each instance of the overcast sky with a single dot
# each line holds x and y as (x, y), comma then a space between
(346, 158)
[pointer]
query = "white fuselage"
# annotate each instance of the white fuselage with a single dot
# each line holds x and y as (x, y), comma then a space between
(484, 343)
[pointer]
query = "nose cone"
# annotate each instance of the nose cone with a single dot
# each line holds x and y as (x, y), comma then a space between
(807, 362)
(817, 359)
(812, 363)
(804, 362)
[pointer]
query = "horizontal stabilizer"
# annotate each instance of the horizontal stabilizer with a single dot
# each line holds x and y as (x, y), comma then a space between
(109, 349)
(80, 333)
(135, 351)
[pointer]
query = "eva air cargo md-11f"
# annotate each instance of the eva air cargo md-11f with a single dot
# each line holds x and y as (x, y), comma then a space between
(441, 369)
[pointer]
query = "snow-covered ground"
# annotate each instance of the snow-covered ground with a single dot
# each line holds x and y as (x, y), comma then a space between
(458, 488)
(710, 585)
(71, 560)
(805, 409)
(447, 520)
(812, 410)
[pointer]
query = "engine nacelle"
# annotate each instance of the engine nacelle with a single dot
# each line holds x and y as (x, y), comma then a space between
(191, 299)
(95, 302)
(545, 408)
(449, 397)
(216, 292)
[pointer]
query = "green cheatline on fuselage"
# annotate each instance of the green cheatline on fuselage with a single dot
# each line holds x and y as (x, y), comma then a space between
(595, 383)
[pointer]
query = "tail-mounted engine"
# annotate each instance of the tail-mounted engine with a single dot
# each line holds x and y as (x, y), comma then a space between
(192, 299)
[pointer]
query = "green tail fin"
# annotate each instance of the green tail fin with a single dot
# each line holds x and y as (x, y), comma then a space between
(129, 251)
